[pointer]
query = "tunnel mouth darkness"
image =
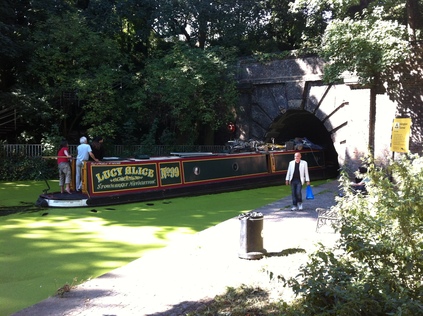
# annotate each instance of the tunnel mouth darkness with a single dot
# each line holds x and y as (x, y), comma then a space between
(301, 123)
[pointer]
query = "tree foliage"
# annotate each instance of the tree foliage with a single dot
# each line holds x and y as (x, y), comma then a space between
(285, 29)
(94, 66)
(193, 90)
(365, 38)
(75, 83)
(203, 23)
(369, 48)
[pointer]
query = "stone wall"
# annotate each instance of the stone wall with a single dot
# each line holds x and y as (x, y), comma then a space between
(269, 91)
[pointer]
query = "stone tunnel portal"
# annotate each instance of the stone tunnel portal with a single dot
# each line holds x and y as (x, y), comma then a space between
(300, 123)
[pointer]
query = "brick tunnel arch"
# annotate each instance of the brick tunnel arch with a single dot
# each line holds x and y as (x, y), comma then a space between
(286, 98)
(300, 123)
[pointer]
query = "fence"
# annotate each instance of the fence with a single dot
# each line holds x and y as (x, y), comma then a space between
(35, 150)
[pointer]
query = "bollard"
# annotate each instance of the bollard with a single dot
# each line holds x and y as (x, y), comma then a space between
(251, 236)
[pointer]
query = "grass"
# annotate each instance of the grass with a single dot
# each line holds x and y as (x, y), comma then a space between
(43, 249)
(241, 301)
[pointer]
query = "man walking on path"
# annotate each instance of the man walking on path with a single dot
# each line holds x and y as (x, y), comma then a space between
(296, 175)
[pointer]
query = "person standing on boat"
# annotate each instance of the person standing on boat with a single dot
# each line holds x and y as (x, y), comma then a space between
(97, 147)
(296, 175)
(64, 167)
(84, 152)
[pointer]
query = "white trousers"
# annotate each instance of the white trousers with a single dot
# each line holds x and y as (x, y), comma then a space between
(78, 180)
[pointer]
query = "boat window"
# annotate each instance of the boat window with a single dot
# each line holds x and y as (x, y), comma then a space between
(235, 166)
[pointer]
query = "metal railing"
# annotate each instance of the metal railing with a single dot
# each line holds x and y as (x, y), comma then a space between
(38, 150)
(31, 150)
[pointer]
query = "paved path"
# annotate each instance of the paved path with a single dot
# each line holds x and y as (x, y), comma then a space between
(192, 271)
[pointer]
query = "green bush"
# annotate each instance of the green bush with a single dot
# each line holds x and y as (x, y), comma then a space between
(377, 266)
(18, 167)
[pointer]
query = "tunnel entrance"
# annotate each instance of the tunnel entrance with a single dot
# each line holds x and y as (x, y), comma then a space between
(300, 123)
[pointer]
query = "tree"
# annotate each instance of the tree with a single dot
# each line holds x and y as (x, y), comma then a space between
(192, 91)
(365, 38)
(129, 22)
(10, 49)
(203, 23)
(316, 15)
(369, 48)
(14, 53)
(78, 74)
(285, 29)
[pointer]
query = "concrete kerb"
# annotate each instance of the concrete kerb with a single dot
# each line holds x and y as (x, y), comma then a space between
(191, 271)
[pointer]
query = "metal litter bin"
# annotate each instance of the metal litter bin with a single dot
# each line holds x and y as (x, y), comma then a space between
(251, 236)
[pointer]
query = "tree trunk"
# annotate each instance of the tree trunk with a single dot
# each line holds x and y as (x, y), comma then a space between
(208, 135)
(372, 120)
(414, 19)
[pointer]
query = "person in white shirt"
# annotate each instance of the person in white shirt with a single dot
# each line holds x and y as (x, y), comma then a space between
(296, 175)
(83, 153)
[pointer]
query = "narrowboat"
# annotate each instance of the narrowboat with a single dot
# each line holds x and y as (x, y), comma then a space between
(116, 181)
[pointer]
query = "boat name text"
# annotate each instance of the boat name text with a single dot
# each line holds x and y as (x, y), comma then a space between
(124, 171)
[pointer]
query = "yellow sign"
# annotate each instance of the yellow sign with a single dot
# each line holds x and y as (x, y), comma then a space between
(400, 135)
